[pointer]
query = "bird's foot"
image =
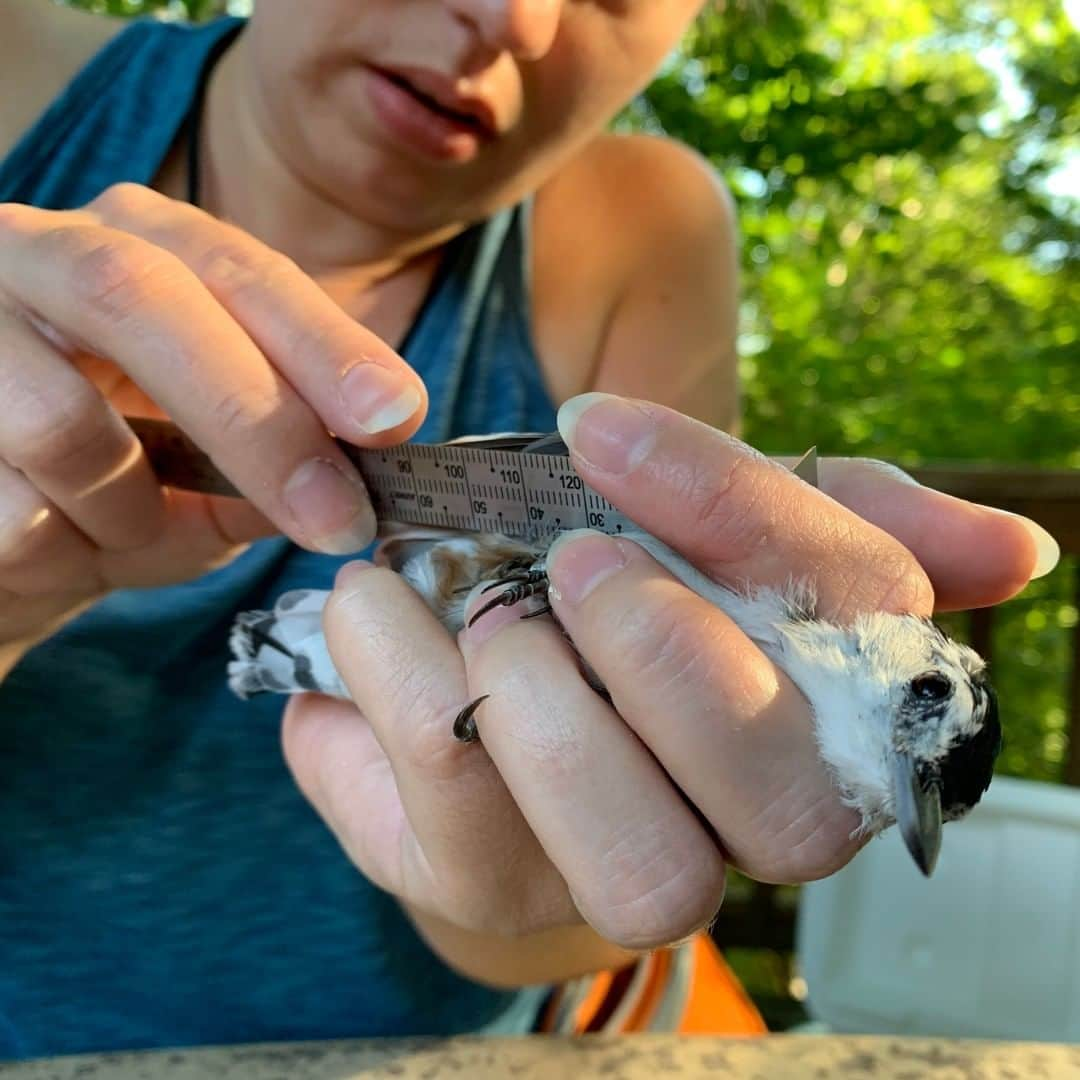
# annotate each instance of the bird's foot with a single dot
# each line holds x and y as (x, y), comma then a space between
(511, 570)
(516, 586)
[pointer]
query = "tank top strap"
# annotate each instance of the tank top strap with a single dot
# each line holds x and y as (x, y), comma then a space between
(444, 336)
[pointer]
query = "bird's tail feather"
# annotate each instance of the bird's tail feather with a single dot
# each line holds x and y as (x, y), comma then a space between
(283, 651)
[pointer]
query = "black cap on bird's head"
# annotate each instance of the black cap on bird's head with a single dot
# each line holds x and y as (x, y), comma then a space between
(968, 767)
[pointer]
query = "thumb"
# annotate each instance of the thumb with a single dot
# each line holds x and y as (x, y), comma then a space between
(886, 539)
(734, 513)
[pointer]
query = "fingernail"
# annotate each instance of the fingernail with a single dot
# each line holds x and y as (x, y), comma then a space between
(1048, 553)
(347, 572)
(377, 399)
(331, 507)
(579, 560)
(611, 434)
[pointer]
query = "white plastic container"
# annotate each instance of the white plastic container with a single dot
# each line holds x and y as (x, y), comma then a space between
(990, 946)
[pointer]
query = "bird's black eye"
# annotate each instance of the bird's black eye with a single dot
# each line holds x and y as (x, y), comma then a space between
(932, 686)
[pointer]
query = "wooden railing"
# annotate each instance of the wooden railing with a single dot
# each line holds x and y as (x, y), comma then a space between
(763, 916)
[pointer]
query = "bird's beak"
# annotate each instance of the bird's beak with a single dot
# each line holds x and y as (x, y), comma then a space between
(918, 813)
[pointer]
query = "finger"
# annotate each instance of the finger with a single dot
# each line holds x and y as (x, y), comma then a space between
(116, 295)
(343, 771)
(76, 470)
(734, 513)
(44, 557)
(467, 847)
(27, 621)
(643, 871)
(40, 551)
(66, 439)
(730, 728)
(974, 555)
(356, 383)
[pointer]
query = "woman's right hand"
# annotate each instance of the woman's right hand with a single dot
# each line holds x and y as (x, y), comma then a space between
(138, 304)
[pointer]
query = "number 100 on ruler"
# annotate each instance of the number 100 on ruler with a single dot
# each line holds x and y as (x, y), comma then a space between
(484, 490)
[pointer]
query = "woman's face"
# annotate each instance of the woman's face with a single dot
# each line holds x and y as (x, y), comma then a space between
(422, 112)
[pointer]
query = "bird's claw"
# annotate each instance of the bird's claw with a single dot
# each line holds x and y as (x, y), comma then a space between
(465, 722)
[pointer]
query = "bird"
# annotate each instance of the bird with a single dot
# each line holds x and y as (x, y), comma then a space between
(905, 718)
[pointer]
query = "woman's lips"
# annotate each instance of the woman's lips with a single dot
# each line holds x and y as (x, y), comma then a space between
(420, 122)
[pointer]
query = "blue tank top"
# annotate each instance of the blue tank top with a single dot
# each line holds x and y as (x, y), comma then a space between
(162, 880)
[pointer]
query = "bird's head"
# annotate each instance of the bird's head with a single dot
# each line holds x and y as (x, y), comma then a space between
(921, 749)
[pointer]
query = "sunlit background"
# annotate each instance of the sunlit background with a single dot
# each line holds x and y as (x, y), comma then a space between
(908, 183)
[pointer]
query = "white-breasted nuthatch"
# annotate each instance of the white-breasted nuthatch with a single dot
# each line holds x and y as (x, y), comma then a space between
(905, 719)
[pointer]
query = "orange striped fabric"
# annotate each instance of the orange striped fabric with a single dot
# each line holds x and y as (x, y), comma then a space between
(688, 988)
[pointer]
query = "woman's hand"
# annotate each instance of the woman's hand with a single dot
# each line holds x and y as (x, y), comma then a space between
(571, 812)
(142, 305)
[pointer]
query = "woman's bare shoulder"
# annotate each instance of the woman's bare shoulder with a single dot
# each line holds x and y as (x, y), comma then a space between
(627, 210)
(42, 47)
(630, 190)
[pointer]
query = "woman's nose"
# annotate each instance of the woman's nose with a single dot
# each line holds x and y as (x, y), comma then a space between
(525, 28)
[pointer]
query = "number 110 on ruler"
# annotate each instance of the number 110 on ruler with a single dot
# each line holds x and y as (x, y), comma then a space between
(484, 490)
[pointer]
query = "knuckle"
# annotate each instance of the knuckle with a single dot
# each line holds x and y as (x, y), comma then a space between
(431, 748)
(237, 264)
(123, 200)
(231, 415)
(245, 415)
(115, 276)
(48, 440)
(556, 752)
(656, 889)
(882, 575)
(672, 641)
(417, 699)
(319, 342)
(725, 508)
(555, 748)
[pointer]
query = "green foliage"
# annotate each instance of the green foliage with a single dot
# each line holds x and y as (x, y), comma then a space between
(911, 264)
(912, 289)
(194, 10)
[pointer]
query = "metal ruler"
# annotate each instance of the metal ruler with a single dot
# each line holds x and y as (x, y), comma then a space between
(518, 485)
